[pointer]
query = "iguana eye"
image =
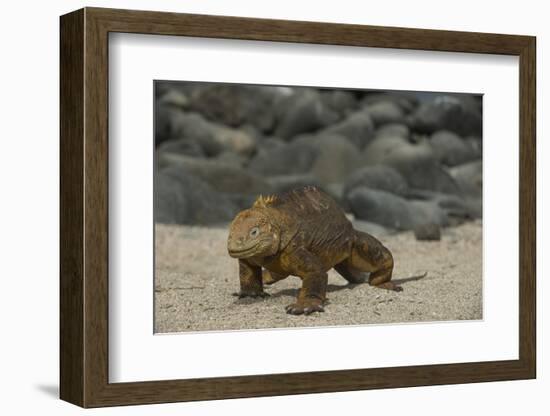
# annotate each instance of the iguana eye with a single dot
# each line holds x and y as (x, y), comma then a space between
(254, 232)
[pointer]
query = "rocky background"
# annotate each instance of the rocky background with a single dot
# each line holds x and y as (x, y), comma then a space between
(404, 166)
(393, 160)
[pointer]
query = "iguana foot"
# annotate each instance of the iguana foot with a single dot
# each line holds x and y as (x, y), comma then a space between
(251, 294)
(305, 306)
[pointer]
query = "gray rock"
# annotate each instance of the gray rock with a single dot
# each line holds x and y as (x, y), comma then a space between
(231, 158)
(336, 191)
(174, 98)
(393, 129)
(458, 113)
(222, 177)
(427, 232)
(182, 87)
(393, 211)
(425, 212)
(164, 124)
(237, 104)
(381, 208)
(380, 177)
(336, 157)
(242, 201)
(370, 228)
(384, 112)
(357, 127)
(469, 178)
(457, 208)
(181, 198)
(340, 101)
(406, 101)
(380, 148)
(416, 162)
(182, 147)
(451, 150)
(214, 138)
(476, 145)
(270, 143)
(303, 112)
(171, 204)
(292, 158)
(283, 183)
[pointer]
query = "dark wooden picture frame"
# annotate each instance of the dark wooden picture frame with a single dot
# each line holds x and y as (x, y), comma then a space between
(84, 207)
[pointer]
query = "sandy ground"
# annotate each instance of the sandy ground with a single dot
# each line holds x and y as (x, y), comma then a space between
(195, 279)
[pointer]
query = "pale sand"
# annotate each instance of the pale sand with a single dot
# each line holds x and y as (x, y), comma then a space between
(195, 279)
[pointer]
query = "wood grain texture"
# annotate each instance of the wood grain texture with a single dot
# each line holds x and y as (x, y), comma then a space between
(71, 185)
(84, 207)
(527, 208)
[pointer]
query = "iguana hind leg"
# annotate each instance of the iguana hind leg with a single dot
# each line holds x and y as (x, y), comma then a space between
(369, 255)
(352, 275)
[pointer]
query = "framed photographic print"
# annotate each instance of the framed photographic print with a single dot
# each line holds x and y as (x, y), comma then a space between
(255, 207)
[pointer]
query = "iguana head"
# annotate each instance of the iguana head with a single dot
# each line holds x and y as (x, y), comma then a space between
(252, 234)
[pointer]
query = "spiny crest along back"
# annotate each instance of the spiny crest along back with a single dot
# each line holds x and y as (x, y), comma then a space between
(307, 198)
(262, 202)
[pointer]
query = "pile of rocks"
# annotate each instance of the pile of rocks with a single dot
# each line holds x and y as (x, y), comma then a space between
(397, 160)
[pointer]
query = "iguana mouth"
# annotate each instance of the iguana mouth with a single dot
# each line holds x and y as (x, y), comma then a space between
(239, 254)
(257, 248)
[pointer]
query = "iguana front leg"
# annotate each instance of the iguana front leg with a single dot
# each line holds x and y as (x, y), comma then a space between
(250, 278)
(312, 295)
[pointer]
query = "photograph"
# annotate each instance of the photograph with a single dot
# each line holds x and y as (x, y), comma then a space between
(292, 206)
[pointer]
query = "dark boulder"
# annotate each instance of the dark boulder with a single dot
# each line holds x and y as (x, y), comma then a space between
(231, 158)
(336, 157)
(457, 208)
(283, 183)
(181, 198)
(242, 201)
(384, 112)
(458, 113)
(393, 211)
(341, 101)
(303, 112)
(381, 207)
(469, 177)
(371, 228)
(292, 158)
(269, 143)
(165, 124)
(213, 138)
(380, 148)
(182, 147)
(237, 104)
(393, 129)
(416, 162)
(380, 177)
(222, 177)
(451, 150)
(357, 127)
(406, 101)
(427, 232)
(175, 98)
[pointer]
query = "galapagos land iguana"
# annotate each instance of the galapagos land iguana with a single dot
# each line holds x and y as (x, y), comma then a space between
(304, 233)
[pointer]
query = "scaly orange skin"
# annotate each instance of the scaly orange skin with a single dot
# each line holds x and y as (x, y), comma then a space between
(303, 233)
